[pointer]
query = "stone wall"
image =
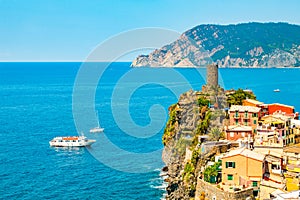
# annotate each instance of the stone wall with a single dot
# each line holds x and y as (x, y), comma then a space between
(212, 192)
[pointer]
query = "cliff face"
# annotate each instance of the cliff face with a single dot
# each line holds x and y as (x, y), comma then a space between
(189, 119)
(241, 45)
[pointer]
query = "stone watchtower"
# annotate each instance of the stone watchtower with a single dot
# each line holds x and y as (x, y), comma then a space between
(212, 75)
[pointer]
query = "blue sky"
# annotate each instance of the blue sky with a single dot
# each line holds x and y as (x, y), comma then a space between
(70, 29)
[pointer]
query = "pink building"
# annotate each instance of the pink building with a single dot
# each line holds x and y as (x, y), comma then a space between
(244, 115)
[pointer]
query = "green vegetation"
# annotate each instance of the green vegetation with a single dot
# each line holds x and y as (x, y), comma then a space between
(189, 168)
(188, 172)
(181, 145)
(216, 134)
(239, 39)
(238, 96)
(212, 171)
(195, 157)
(204, 122)
(203, 102)
(169, 131)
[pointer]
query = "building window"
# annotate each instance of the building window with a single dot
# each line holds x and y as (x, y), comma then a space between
(254, 130)
(254, 184)
(254, 115)
(230, 164)
(236, 122)
(229, 177)
(254, 121)
(236, 114)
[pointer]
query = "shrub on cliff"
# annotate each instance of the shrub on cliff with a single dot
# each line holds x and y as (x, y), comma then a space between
(238, 96)
(169, 131)
(202, 101)
(211, 171)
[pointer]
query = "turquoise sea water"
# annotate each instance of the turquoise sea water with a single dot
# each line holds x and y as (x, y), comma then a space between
(36, 105)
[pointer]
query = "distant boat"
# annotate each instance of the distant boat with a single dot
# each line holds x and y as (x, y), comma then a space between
(276, 90)
(97, 129)
(71, 141)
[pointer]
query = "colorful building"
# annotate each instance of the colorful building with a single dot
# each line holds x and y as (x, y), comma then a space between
(244, 115)
(275, 107)
(292, 166)
(269, 109)
(243, 167)
(275, 130)
(237, 132)
(254, 103)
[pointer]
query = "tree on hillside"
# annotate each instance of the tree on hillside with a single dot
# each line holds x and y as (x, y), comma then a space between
(216, 134)
(238, 96)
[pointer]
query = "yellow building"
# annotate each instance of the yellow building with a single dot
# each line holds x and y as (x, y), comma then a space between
(292, 161)
(243, 167)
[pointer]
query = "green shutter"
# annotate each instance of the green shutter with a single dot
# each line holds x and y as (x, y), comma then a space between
(254, 184)
(233, 164)
(226, 164)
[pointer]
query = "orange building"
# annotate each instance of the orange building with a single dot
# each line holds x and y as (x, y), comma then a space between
(263, 107)
(252, 102)
(243, 167)
(275, 107)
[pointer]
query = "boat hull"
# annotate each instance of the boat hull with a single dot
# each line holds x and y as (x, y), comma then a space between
(72, 144)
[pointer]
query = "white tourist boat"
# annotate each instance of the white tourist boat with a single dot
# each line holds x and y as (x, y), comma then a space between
(276, 90)
(71, 141)
(97, 129)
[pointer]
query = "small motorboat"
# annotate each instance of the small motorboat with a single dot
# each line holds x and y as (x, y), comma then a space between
(97, 130)
(276, 90)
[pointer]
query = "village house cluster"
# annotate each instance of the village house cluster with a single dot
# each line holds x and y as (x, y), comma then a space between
(265, 157)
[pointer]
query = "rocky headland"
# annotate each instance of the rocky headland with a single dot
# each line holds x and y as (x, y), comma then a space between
(241, 45)
(196, 116)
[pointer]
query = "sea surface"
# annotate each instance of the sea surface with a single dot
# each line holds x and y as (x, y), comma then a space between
(36, 104)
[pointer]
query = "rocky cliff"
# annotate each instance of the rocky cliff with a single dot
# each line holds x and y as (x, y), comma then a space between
(189, 119)
(241, 45)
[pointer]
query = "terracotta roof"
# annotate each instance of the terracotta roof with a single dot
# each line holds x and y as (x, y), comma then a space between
(279, 104)
(292, 149)
(254, 101)
(239, 128)
(275, 118)
(247, 153)
(244, 108)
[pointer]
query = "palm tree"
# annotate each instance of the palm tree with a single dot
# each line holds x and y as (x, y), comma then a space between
(215, 134)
